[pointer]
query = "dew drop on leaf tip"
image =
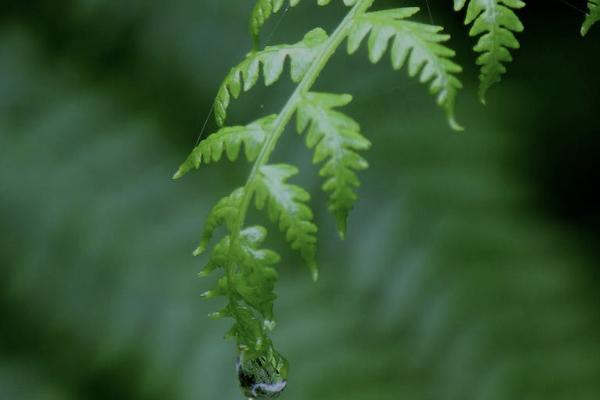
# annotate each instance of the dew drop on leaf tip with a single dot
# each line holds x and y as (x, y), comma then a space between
(261, 377)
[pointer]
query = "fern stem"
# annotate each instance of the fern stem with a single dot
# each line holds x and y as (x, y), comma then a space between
(286, 114)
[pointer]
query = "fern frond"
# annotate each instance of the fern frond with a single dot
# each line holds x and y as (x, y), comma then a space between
(592, 17)
(286, 204)
(497, 22)
(225, 213)
(249, 277)
(229, 140)
(335, 138)
(419, 45)
(248, 282)
(272, 60)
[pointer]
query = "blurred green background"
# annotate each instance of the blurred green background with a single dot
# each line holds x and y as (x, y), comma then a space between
(471, 267)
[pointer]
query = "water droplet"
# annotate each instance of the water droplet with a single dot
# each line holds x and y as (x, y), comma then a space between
(269, 325)
(262, 377)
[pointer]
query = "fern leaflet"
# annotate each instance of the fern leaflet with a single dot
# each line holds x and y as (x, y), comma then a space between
(224, 213)
(272, 59)
(229, 140)
(414, 43)
(496, 22)
(592, 17)
(286, 205)
(336, 138)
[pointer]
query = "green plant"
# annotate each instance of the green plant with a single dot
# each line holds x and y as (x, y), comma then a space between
(592, 17)
(495, 22)
(248, 273)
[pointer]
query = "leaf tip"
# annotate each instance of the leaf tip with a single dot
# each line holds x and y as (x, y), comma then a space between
(314, 269)
(483, 97)
(209, 294)
(204, 273)
(179, 174)
(342, 225)
(454, 125)
(200, 249)
(216, 315)
(483, 91)
(314, 273)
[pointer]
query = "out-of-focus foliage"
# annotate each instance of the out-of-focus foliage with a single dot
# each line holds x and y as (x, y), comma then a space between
(336, 140)
(456, 280)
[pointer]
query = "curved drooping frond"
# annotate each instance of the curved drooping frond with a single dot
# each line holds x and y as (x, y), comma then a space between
(419, 45)
(229, 140)
(337, 139)
(496, 22)
(286, 205)
(249, 276)
(592, 17)
(248, 282)
(272, 59)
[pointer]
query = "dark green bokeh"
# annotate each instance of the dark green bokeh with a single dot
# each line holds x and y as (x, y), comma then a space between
(470, 270)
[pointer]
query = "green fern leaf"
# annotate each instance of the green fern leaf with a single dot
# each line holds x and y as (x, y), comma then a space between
(272, 59)
(592, 17)
(497, 22)
(229, 140)
(249, 277)
(419, 45)
(224, 213)
(336, 138)
(287, 206)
